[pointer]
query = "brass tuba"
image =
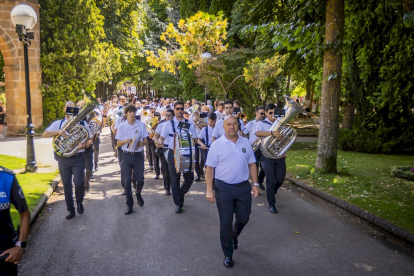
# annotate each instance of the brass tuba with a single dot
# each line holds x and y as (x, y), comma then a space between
(69, 146)
(198, 122)
(274, 148)
(242, 115)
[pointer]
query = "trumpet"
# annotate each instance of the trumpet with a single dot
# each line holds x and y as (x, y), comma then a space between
(242, 115)
(146, 113)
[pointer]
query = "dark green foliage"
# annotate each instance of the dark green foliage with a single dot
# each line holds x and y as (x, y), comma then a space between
(403, 172)
(225, 6)
(72, 56)
(191, 88)
(190, 7)
(378, 75)
(167, 84)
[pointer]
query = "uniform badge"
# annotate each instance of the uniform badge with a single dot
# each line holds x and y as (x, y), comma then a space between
(243, 150)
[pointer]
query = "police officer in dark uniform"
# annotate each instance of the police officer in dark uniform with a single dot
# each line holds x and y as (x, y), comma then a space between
(11, 250)
(230, 161)
(68, 166)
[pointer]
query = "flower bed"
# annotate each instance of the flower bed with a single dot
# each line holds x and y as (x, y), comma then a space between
(403, 172)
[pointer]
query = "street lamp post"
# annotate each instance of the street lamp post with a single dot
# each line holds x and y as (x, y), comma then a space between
(24, 18)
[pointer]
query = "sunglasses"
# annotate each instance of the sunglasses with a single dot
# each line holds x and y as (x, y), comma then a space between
(270, 113)
(178, 109)
(262, 114)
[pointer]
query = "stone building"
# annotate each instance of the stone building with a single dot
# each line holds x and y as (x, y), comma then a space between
(12, 51)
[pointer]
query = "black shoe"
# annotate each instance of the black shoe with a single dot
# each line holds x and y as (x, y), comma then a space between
(198, 179)
(129, 211)
(87, 187)
(70, 215)
(80, 208)
(228, 262)
(179, 209)
(235, 243)
(96, 167)
(203, 176)
(272, 209)
(261, 186)
(140, 199)
(167, 192)
(151, 168)
(157, 176)
(123, 193)
(92, 177)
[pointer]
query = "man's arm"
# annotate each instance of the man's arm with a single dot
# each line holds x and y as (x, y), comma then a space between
(253, 175)
(268, 133)
(48, 134)
(209, 180)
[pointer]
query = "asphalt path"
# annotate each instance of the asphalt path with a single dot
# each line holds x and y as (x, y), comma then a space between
(305, 238)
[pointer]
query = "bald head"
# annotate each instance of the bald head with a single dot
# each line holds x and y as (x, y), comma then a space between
(231, 126)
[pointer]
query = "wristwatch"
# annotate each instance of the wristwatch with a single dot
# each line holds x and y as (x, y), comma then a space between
(21, 244)
(256, 184)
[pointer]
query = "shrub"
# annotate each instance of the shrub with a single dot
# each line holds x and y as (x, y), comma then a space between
(403, 172)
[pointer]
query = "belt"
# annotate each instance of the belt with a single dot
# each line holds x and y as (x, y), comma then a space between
(132, 152)
(234, 185)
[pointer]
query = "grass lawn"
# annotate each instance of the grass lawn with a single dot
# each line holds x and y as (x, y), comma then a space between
(33, 185)
(11, 162)
(364, 180)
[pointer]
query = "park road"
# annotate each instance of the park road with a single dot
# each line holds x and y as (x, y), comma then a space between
(303, 239)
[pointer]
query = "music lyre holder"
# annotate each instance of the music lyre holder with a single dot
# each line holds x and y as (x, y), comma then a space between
(279, 112)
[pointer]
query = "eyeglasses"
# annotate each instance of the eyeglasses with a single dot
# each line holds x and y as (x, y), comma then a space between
(270, 113)
(179, 108)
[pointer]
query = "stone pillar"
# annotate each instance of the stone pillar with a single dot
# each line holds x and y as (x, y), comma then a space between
(12, 50)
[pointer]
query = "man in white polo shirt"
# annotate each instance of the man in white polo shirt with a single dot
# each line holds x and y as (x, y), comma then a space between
(167, 137)
(130, 137)
(219, 129)
(230, 161)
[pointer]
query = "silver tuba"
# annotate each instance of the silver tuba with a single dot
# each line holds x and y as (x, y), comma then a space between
(274, 148)
(69, 146)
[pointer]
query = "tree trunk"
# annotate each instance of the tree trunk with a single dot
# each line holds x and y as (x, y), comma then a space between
(288, 86)
(331, 87)
(308, 90)
(349, 115)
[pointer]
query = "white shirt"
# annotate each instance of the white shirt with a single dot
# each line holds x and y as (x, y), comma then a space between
(219, 129)
(127, 131)
(118, 122)
(56, 125)
(220, 115)
(202, 135)
(250, 129)
(231, 160)
(168, 133)
(264, 125)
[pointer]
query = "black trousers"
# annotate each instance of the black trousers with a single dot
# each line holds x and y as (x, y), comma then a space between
(155, 158)
(258, 154)
(132, 162)
(8, 269)
(68, 166)
(88, 163)
(96, 145)
(203, 153)
(275, 170)
(164, 170)
(198, 169)
(149, 155)
(120, 152)
(177, 190)
(232, 199)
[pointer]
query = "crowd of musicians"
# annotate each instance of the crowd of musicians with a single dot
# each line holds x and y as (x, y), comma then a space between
(218, 138)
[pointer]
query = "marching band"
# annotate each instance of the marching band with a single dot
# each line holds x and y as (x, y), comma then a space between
(178, 138)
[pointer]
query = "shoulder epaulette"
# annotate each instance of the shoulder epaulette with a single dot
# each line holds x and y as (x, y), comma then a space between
(3, 169)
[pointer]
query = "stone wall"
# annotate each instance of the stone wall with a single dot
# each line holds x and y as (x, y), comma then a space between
(12, 50)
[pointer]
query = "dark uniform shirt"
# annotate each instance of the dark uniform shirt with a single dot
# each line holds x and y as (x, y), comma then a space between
(10, 193)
